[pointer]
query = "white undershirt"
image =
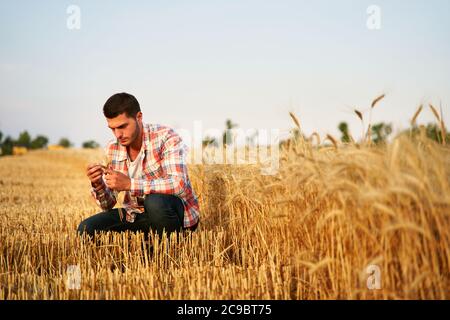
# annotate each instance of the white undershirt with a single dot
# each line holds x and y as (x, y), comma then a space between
(135, 167)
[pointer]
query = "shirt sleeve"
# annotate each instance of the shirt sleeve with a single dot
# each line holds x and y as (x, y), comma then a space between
(104, 198)
(174, 168)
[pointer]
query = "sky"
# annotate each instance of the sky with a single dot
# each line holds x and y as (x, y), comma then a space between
(207, 61)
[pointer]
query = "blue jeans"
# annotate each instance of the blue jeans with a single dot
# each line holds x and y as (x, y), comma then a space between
(163, 212)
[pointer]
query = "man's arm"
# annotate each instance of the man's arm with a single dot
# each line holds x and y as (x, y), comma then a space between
(103, 196)
(173, 165)
(101, 193)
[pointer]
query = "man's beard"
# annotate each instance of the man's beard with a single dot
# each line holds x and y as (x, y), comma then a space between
(136, 134)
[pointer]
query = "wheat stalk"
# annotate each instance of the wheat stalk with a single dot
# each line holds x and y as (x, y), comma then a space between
(436, 114)
(440, 122)
(442, 125)
(416, 114)
(374, 103)
(333, 140)
(315, 134)
(378, 99)
(295, 119)
(359, 114)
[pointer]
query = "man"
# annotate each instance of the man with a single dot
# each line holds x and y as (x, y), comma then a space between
(147, 163)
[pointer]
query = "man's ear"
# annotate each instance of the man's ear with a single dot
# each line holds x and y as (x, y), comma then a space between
(139, 116)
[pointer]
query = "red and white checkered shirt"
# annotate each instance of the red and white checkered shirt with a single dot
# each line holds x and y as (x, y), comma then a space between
(164, 170)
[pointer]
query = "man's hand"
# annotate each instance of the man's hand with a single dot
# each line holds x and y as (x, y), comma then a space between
(94, 172)
(117, 181)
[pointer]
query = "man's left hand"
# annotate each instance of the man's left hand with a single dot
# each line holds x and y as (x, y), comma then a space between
(117, 181)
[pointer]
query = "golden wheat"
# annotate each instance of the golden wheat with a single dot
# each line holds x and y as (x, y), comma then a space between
(310, 231)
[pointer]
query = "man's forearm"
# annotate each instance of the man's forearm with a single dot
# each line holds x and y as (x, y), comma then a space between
(103, 196)
(100, 186)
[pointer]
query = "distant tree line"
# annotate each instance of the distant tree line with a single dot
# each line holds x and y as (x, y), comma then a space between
(7, 143)
(380, 132)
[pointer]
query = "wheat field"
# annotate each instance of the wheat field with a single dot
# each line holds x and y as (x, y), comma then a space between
(311, 231)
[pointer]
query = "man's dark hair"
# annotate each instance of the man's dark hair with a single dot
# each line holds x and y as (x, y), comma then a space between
(121, 103)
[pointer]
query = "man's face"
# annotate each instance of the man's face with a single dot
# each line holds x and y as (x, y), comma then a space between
(125, 129)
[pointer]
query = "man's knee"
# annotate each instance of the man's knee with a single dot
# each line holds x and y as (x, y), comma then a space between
(85, 227)
(164, 210)
(94, 223)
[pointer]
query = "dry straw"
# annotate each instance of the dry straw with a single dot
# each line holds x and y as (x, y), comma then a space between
(308, 232)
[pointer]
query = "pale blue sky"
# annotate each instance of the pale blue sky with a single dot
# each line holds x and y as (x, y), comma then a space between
(251, 61)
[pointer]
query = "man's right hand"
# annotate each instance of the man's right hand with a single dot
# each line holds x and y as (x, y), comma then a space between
(94, 172)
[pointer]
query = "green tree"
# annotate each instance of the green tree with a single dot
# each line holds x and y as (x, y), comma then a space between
(39, 142)
(434, 132)
(431, 131)
(64, 142)
(343, 128)
(7, 146)
(24, 140)
(207, 141)
(90, 144)
(228, 133)
(380, 132)
(1, 138)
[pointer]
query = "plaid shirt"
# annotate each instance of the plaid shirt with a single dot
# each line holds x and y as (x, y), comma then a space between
(164, 171)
